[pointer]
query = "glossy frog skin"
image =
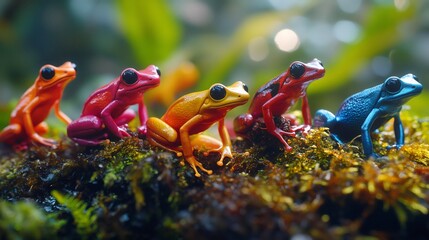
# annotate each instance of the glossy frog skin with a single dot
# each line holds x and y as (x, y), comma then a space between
(177, 130)
(106, 112)
(364, 112)
(277, 96)
(27, 119)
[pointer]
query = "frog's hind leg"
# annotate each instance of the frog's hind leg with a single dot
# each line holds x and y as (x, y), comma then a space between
(162, 135)
(10, 132)
(324, 118)
(176, 150)
(87, 130)
(42, 128)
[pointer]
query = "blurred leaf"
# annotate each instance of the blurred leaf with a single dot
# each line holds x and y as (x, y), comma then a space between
(258, 25)
(419, 104)
(151, 29)
(381, 31)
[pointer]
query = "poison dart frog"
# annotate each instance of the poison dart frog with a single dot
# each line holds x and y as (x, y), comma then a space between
(27, 119)
(277, 96)
(366, 111)
(177, 130)
(106, 112)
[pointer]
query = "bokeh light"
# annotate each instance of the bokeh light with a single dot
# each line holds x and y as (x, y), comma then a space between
(258, 49)
(346, 31)
(287, 40)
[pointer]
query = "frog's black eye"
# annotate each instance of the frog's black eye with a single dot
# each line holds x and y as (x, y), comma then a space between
(245, 87)
(129, 76)
(393, 85)
(297, 70)
(48, 73)
(158, 71)
(217, 92)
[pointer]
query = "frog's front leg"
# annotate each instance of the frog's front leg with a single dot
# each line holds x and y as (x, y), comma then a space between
(305, 109)
(269, 120)
(60, 115)
(187, 146)
(366, 133)
(226, 142)
(29, 127)
(110, 123)
(143, 118)
(306, 115)
(87, 130)
(126, 117)
(399, 132)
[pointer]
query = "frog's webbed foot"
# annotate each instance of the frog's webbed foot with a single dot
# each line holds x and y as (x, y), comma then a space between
(123, 131)
(209, 145)
(394, 147)
(226, 152)
(194, 164)
(304, 129)
(142, 130)
(378, 158)
(44, 141)
(278, 133)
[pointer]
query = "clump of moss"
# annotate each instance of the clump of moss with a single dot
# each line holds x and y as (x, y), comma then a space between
(24, 220)
(127, 189)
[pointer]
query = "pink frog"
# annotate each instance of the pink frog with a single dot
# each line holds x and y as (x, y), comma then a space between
(106, 112)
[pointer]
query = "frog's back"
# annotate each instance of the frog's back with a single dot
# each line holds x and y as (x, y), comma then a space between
(184, 109)
(99, 100)
(353, 112)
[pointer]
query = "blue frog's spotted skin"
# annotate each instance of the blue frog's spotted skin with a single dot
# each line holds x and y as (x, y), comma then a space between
(366, 111)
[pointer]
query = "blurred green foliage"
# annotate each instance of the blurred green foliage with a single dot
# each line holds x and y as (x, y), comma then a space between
(104, 37)
(24, 220)
(151, 29)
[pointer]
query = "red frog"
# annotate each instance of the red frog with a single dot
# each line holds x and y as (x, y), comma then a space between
(27, 119)
(277, 96)
(106, 112)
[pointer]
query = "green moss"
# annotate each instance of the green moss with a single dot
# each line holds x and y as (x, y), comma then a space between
(84, 216)
(24, 220)
(320, 190)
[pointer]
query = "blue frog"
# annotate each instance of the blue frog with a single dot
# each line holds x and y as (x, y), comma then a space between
(366, 111)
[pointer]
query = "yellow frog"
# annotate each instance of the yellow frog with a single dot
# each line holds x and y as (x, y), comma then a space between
(178, 129)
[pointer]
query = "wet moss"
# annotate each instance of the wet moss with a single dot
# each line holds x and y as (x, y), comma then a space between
(127, 189)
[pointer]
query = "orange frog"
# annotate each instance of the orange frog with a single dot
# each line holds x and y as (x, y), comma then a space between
(27, 119)
(178, 130)
(184, 76)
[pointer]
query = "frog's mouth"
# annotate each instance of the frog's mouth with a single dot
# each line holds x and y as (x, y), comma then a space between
(232, 104)
(64, 79)
(145, 86)
(315, 74)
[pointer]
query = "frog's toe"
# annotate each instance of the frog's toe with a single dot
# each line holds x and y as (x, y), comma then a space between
(378, 158)
(394, 147)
